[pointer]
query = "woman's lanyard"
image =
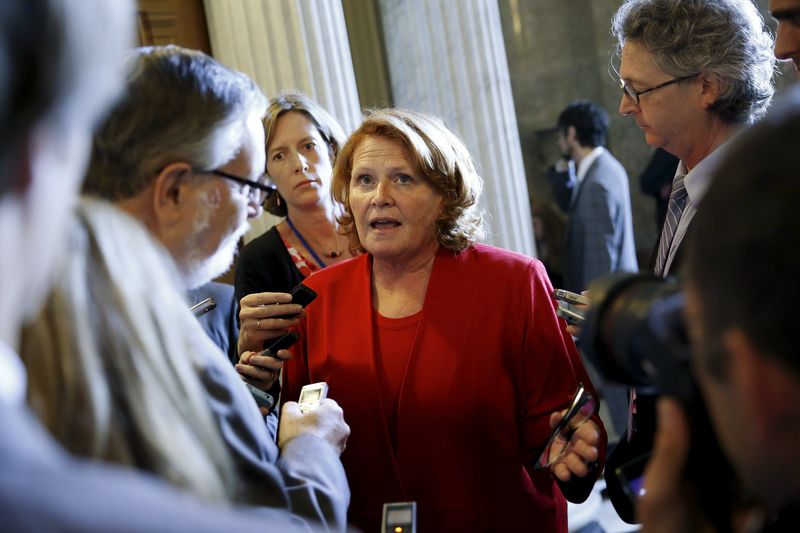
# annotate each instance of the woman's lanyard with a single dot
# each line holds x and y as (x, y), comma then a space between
(304, 243)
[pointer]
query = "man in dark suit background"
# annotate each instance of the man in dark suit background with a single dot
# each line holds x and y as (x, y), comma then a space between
(183, 153)
(600, 232)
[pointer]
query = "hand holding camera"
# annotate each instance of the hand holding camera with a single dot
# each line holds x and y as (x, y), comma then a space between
(663, 504)
(635, 334)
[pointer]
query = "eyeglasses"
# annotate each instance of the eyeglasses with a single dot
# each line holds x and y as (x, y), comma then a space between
(582, 408)
(633, 95)
(255, 190)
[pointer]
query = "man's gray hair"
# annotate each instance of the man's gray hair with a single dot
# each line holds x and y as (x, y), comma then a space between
(726, 39)
(59, 64)
(180, 105)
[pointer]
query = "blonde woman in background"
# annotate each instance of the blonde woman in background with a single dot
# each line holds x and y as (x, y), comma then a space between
(302, 141)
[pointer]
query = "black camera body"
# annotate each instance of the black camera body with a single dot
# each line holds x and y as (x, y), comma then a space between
(635, 335)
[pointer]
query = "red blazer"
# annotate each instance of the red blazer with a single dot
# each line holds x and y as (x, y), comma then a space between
(490, 362)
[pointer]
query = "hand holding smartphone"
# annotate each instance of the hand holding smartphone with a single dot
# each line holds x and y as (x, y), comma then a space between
(302, 296)
(262, 398)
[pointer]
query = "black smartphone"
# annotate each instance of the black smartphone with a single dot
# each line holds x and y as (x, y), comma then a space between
(281, 343)
(300, 295)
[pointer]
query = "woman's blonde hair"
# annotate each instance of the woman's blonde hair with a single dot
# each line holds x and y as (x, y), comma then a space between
(439, 154)
(111, 360)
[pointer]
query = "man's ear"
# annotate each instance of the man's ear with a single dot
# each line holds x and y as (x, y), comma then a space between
(170, 191)
(765, 387)
(710, 90)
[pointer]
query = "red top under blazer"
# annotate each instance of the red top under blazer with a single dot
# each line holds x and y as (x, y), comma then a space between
(490, 362)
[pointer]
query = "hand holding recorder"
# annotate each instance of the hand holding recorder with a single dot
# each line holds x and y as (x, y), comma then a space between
(316, 415)
(572, 307)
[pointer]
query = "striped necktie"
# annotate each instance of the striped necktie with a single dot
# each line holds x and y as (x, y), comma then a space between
(677, 202)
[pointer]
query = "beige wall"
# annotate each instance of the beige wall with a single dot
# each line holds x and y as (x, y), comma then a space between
(181, 22)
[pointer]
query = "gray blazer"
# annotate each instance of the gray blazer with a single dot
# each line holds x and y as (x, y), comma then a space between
(42, 488)
(600, 232)
(306, 477)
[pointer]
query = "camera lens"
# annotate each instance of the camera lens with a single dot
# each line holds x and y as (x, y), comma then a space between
(625, 335)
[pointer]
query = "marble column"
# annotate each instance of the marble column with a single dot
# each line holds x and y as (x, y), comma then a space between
(289, 44)
(447, 58)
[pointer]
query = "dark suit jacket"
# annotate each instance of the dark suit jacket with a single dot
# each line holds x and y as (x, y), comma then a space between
(600, 232)
(265, 266)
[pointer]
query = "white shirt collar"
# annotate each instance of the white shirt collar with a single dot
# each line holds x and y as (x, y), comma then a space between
(13, 381)
(586, 162)
(698, 179)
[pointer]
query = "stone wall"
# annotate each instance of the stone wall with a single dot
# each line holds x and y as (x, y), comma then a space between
(559, 52)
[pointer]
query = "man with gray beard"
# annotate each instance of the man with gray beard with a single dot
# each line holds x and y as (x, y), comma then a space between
(183, 152)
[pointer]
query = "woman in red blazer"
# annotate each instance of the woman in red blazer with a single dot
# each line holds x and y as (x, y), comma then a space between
(446, 356)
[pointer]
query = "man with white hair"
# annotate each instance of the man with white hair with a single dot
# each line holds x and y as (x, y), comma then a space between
(183, 152)
(56, 81)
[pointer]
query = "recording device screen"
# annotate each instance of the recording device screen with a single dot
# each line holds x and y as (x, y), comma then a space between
(311, 395)
(398, 516)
